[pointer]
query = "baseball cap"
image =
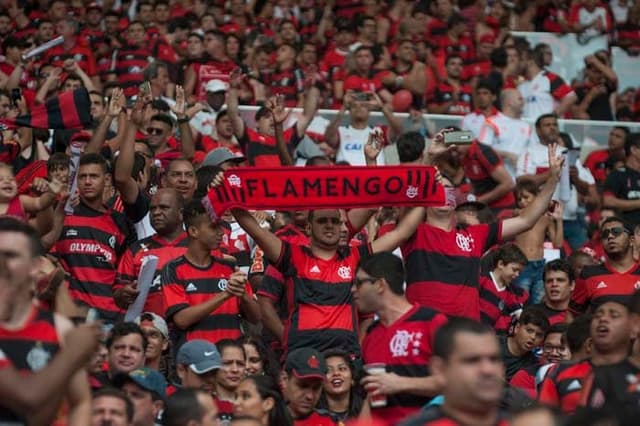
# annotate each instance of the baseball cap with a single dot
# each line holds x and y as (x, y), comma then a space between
(147, 378)
(200, 355)
(219, 155)
(216, 86)
(306, 363)
(155, 320)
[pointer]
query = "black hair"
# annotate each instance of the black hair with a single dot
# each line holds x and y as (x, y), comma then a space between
(182, 407)
(566, 139)
(58, 160)
(634, 303)
(578, 331)
(116, 393)
(616, 219)
(93, 158)
(122, 329)
(192, 211)
(204, 177)
(316, 160)
(632, 139)
(262, 112)
(559, 328)
(270, 364)
(11, 224)
(544, 117)
(444, 341)
(535, 316)
(528, 186)
(559, 265)
(356, 395)
(385, 265)
(267, 387)
(410, 146)
(509, 253)
(166, 119)
(160, 105)
(498, 57)
(487, 85)
(230, 343)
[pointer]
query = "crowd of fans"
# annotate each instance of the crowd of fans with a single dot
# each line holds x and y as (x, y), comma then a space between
(513, 303)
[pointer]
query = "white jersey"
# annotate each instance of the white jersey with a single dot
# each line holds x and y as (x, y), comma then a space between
(352, 143)
(507, 134)
(473, 122)
(542, 93)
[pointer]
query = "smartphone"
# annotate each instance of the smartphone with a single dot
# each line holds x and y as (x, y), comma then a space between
(145, 88)
(16, 95)
(463, 137)
(92, 316)
(362, 96)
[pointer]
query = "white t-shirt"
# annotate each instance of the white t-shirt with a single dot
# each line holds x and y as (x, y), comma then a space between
(542, 93)
(473, 122)
(352, 143)
(508, 134)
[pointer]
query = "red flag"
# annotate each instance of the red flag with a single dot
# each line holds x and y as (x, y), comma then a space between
(69, 110)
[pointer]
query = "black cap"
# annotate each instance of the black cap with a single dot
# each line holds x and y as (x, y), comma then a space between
(306, 363)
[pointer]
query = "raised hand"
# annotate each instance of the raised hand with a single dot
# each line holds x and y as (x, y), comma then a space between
(373, 147)
(56, 186)
(277, 108)
(437, 146)
(236, 77)
(180, 106)
(555, 161)
(116, 103)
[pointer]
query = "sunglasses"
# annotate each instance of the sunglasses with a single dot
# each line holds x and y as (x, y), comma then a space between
(154, 131)
(618, 230)
(359, 281)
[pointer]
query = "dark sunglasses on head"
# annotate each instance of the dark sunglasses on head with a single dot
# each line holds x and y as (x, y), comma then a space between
(618, 230)
(154, 131)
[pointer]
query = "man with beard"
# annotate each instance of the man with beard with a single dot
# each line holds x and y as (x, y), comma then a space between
(618, 277)
(466, 357)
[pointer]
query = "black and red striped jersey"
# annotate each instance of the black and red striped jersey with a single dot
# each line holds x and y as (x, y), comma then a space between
(81, 54)
(600, 283)
(436, 416)
(444, 93)
(553, 315)
(132, 60)
(322, 312)
(499, 305)
(261, 150)
(185, 284)
(9, 151)
(28, 349)
(563, 385)
(89, 247)
(443, 267)
(288, 83)
(479, 163)
(405, 347)
(290, 233)
(617, 383)
(131, 262)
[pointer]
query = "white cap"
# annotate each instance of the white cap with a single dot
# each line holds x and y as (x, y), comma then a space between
(216, 86)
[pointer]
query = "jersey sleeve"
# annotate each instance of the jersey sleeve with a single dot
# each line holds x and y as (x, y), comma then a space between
(558, 88)
(614, 185)
(126, 269)
(272, 285)
(173, 293)
(489, 158)
(548, 393)
(285, 262)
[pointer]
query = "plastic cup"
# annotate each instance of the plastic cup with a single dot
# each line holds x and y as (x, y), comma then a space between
(380, 400)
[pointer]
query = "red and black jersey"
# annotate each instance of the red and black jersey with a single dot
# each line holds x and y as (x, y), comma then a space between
(462, 47)
(553, 315)
(82, 55)
(185, 284)
(601, 283)
(225, 409)
(261, 150)
(435, 416)
(624, 183)
(322, 312)
(372, 82)
(96, 39)
(130, 62)
(89, 247)
(290, 233)
(445, 92)
(131, 262)
(348, 8)
(405, 347)
(332, 62)
(478, 163)
(525, 379)
(9, 151)
(29, 349)
(598, 164)
(315, 419)
(443, 267)
(608, 383)
(211, 69)
(288, 83)
(563, 385)
(629, 32)
(497, 306)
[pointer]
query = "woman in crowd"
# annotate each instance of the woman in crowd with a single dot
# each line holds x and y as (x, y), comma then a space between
(260, 398)
(342, 397)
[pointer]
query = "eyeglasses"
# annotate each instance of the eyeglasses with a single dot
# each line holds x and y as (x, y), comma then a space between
(325, 220)
(154, 131)
(618, 230)
(359, 281)
(551, 348)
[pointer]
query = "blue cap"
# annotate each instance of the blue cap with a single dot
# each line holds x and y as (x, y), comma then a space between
(200, 355)
(147, 378)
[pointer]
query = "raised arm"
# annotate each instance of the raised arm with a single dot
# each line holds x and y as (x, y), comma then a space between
(269, 243)
(280, 115)
(235, 81)
(116, 103)
(331, 135)
(186, 137)
(310, 109)
(358, 218)
(123, 180)
(530, 215)
(405, 229)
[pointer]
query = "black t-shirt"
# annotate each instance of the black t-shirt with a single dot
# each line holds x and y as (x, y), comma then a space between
(619, 383)
(624, 183)
(139, 209)
(514, 363)
(600, 107)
